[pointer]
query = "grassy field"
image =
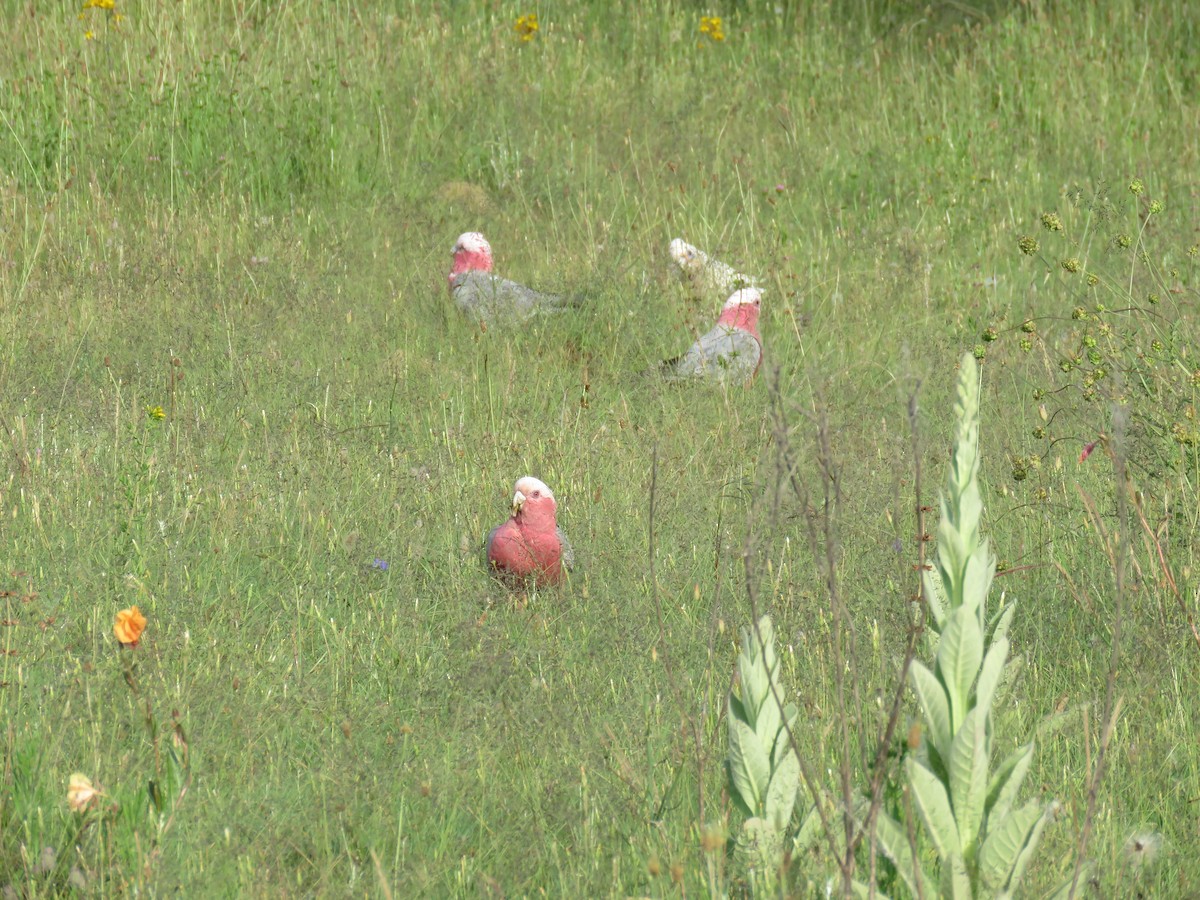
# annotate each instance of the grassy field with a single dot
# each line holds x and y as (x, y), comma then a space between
(235, 392)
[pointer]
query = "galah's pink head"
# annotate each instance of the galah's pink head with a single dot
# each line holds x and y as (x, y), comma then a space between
(741, 310)
(472, 253)
(533, 503)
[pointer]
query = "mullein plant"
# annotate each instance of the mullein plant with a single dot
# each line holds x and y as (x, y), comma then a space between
(966, 808)
(763, 771)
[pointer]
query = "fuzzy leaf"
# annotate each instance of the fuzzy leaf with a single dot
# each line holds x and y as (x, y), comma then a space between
(749, 768)
(1026, 854)
(989, 675)
(956, 883)
(977, 579)
(958, 659)
(785, 784)
(893, 841)
(933, 805)
(999, 625)
(1006, 840)
(934, 704)
(968, 777)
(935, 599)
(1006, 781)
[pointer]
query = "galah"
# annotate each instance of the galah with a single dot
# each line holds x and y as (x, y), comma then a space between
(704, 276)
(530, 546)
(486, 296)
(731, 350)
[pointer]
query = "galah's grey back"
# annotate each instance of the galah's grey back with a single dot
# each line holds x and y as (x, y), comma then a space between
(721, 354)
(493, 299)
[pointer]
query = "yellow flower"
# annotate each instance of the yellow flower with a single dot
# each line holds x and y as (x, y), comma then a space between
(98, 4)
(527, 27)
(81, 793)
(711, 25)
(88, 35)
(156, 413)
(129, 626)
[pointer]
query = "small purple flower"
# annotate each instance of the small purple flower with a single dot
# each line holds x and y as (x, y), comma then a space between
(380, 564)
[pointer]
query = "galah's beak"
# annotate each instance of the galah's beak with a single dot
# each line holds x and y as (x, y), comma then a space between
(518, 502)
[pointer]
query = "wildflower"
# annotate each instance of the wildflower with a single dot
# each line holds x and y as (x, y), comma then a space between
(990, 334)
(1136, 186)
(1071, 264)
(1123, 241)
(1052, 222)
(98, 4)
(980, 352)
(1156, 206)
(1078, 313)
(81, 793)
(89, 35)
(1026, 344)
(711, 26)
(1028, 326)
(527, 27)
(156, 413)
(1153, 298)
(1087, 451)
(129, 626)
(1028, 245)
(1093, 279)
(380, 564)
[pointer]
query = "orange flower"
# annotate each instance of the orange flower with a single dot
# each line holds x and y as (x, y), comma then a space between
(129, 626)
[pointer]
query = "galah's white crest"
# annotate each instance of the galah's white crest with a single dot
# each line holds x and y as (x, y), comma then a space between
(703, 276)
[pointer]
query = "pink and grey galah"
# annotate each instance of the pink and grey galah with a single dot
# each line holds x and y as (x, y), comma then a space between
(731, 351)
(480, 293)
(530, 547)
(703, 276)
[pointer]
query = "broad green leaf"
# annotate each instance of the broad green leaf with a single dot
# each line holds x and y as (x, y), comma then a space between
(956, 883)
(968, 778)
(1063, 891)
(935, 598)
(958, 660)
(768, 722)
(989, 675)
(934, 704)
(1006, 782)
(736, 709)
(1006, 838)
(749, 768)
(999, 626)
(933, 805)
(1026, 854)
(809, 834)
(977, 580)
(893, 841)
(781, 794)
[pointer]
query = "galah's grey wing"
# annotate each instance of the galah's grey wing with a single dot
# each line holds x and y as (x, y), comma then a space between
(492, 298)
(568, 552)
(720, 353)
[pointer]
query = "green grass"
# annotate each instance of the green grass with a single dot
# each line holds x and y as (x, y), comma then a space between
(243, 213)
